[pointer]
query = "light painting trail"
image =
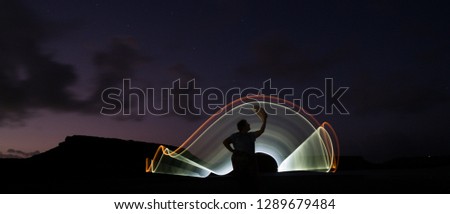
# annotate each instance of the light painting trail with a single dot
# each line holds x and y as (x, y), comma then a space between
(294, 139)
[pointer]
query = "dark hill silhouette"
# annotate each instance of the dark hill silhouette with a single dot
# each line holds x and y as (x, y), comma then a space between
(85, 164)
(83, 157)
(355, 163)
(96, 156)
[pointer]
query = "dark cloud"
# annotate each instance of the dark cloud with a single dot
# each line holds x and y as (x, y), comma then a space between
(29, 78)
(12, 153)
(119, 61)
(189, 104)
(181, 71)
(8, 156)
(22, 153)
(403, 92)
(278, 57)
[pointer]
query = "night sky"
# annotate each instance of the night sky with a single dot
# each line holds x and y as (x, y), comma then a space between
(56, 57)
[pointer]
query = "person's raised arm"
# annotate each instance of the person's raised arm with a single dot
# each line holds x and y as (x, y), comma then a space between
(263, 116)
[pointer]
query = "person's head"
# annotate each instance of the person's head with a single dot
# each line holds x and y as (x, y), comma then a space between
(243, 126)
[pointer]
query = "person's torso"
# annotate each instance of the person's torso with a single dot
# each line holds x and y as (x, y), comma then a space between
(244, 142)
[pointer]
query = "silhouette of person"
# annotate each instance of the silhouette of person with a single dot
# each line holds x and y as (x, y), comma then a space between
(242, 145)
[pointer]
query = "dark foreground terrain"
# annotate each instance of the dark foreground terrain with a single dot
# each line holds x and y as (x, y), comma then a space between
(84, 164)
